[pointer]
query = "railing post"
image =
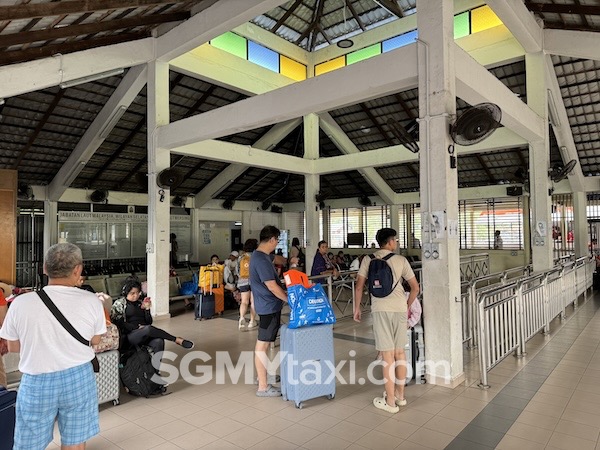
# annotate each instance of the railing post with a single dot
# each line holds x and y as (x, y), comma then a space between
(483, 344)
(472, 305)
(547, 318)
(330, 288)
(521, 347)
(563, 314)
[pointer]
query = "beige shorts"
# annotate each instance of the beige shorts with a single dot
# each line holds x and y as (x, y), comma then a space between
(389, 329)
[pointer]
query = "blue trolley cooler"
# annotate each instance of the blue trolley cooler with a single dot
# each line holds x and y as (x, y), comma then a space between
(307, 363)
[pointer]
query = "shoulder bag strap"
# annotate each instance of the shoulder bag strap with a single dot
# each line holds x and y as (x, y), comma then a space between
(62, 319)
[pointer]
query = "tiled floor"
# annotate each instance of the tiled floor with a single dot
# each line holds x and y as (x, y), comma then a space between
(548, 399)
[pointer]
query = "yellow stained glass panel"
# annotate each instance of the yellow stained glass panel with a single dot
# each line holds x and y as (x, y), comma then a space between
(330, 65)
(291, 69)
(483, 18)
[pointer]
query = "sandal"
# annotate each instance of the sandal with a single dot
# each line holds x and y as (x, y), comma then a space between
(269, 392)
(380, 403)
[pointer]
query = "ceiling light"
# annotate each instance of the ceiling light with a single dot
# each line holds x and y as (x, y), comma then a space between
(113, 121)
(345, 43)
(93, 77)
(365, 129)
(552, 111)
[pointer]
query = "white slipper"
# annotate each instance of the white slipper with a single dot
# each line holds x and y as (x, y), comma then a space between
(380, 403)
(398, 401)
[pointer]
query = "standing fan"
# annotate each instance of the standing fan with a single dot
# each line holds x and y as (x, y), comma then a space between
(475, 124)
(169, 178)
(557, 174)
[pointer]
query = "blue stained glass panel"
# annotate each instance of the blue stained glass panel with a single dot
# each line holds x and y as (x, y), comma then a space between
(263, 56)
(399, 41)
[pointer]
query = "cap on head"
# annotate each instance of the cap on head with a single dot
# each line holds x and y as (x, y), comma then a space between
(234, 253)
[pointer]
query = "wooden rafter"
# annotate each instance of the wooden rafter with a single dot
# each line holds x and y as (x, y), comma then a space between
(563, 26)
(356, 17)
(485, 168)
(287, 14)
(409, 112)
(36, 10)
(49, 50)
(555, 8)
(375, 122)
(38, 129)
(392, 7)
(8, 40)
(316, 29)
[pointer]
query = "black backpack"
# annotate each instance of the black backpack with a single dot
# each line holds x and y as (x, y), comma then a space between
(136, 372)
(380, 276)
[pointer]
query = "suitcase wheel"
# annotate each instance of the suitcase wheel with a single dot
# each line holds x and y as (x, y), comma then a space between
(116, 402)
(299, 405)
(330, 396)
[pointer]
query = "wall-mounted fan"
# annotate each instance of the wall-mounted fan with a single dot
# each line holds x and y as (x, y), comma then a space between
(364, 200)
(99, 196)
(24, 191)
(276, 209)
(407, 137)
(320, 198)
(265, 205)
(228, 204)
(558, 173)
(169, 178)
(178, 201)
(475, 124)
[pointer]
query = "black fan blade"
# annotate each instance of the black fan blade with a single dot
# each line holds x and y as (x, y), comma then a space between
(402, 135)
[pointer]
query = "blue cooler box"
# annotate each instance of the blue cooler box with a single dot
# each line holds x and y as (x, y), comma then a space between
(307, 363)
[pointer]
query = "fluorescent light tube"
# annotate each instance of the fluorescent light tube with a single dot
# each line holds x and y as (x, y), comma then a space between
(113, 121)
(74, 172)
(93, 77)
(552, 111)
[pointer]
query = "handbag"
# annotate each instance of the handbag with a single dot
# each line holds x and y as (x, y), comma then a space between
(309, 306)
(67, 326)
(108, 340)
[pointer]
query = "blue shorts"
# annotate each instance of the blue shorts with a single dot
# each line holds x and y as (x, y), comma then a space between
(68, 395)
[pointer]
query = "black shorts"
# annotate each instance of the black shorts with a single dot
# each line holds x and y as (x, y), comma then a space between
(244, 288)
(269, 326)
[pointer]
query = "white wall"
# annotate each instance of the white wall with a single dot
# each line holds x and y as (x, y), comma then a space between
(215, 238)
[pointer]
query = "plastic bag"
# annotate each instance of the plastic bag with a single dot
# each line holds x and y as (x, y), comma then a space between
(309, 306)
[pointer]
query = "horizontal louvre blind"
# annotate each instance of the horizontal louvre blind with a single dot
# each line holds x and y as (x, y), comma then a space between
(479, 219)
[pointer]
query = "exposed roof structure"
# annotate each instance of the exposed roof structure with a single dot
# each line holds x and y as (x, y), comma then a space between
(40, 128)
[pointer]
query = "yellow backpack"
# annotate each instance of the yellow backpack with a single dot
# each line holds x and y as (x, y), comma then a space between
(245, 266)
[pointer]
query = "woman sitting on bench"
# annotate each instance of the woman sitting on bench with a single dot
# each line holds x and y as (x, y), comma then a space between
(131, 314)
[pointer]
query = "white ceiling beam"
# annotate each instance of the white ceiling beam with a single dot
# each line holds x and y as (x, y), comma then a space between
(574, 44)
(592, 184)
(123, 96)
(474, 84)
(562, 130)
(218, 184)
(16, 79)
(349, 85)
(346, 146)
(247, 155)
(219, 67)
(492, 47)
(521, 23)
(361, 160)
(225, 178)
(212, 22)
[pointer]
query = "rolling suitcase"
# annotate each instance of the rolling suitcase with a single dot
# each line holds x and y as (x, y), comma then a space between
(107, 380)
(307, 363)
(204, 306)
(8, 400)
(415, 355)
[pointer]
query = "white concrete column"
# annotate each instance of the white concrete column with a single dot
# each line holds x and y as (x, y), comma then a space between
(195, 241)
(539, 163)
(394, 221)
(581, 233)
(50, 224)
(526, 231)
(439, 194)
(311, 188)
(159, 209)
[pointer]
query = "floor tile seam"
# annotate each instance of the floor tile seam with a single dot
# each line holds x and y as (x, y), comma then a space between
(583, 327)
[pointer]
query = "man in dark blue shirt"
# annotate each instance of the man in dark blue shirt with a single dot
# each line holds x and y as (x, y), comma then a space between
(269, 297)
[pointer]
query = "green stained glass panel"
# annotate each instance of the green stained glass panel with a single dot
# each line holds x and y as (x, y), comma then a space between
(232, 43)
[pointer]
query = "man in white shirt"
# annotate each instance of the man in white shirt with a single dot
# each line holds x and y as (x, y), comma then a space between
(58, 381)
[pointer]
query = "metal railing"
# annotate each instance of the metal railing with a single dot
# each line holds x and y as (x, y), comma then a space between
(510, 315)
(474, 266)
